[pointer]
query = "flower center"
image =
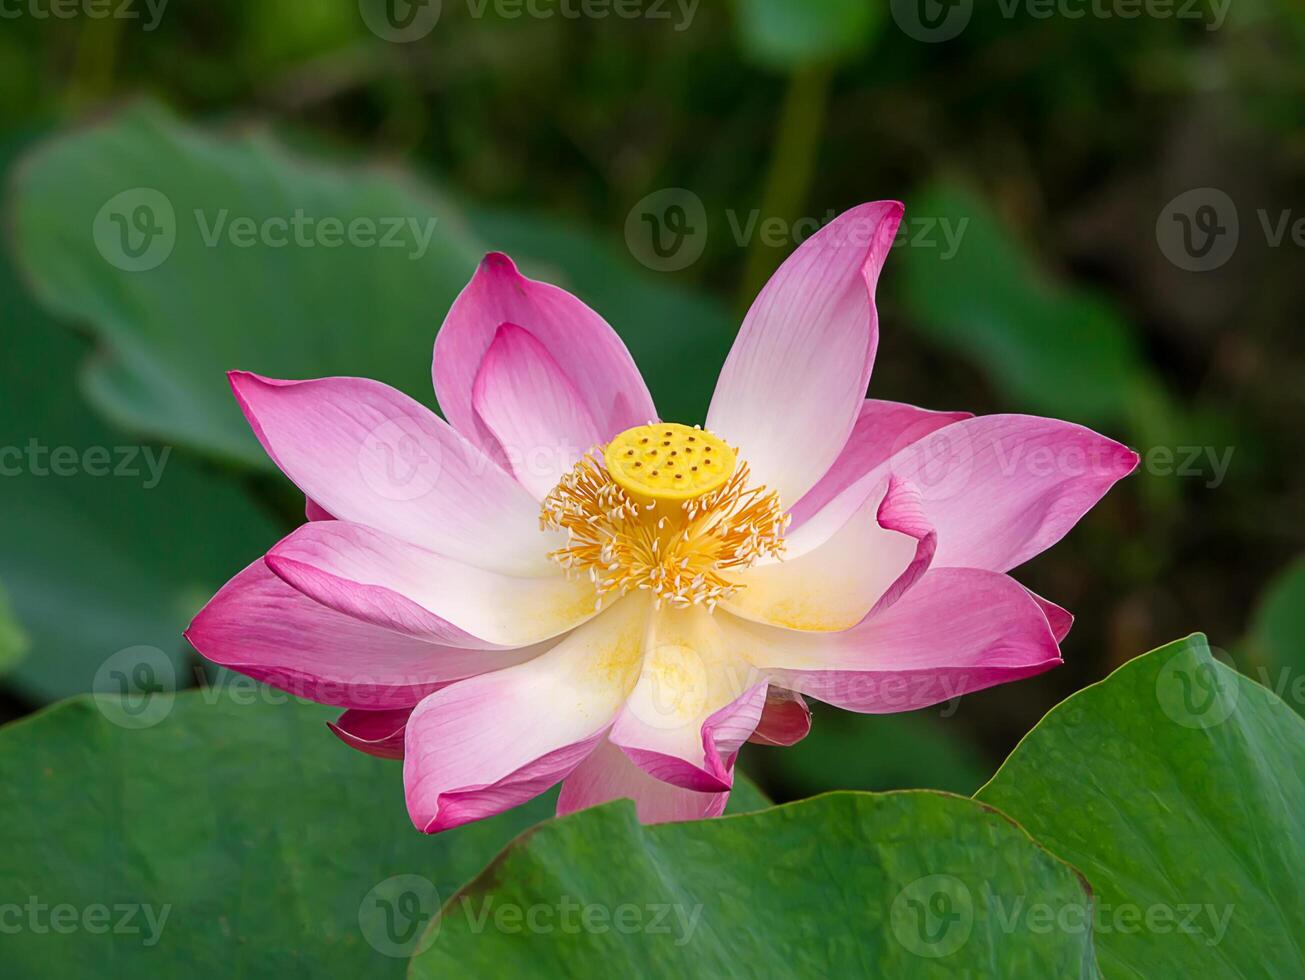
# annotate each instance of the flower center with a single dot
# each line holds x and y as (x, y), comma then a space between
(668, 509)
(669, 461)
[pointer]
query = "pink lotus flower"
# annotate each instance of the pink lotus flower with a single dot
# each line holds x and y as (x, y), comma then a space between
(554, 586)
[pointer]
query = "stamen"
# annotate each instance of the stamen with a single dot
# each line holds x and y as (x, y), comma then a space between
(677, 547)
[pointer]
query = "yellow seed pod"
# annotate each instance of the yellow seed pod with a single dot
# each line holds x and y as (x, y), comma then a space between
(669, 461)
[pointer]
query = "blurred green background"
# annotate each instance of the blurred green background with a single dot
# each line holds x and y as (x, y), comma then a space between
(1049, 165)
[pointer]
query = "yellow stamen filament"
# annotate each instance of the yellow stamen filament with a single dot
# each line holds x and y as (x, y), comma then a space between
(675, 548)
